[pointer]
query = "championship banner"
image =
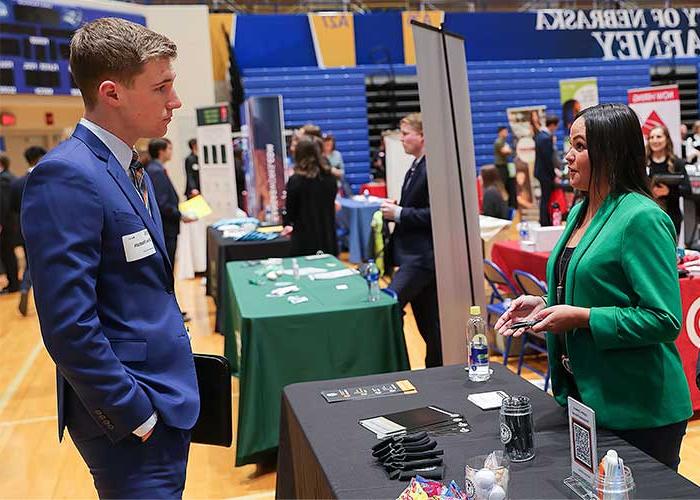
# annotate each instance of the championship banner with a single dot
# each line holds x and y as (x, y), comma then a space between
(334, 39)
(577, 94)
(658, 106)
(429, 17)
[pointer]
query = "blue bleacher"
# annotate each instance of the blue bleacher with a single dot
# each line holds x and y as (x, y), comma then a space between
(334, 98)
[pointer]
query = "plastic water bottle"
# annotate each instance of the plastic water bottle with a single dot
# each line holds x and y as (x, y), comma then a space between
(295, 269)
(366, 194)
(477, 346)
(372, 281)
(524, 231)
(556, 214)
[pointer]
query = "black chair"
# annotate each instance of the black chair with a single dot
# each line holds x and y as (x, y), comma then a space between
(530, 285)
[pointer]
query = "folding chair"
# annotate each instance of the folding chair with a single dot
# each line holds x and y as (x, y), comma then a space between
(530, 285)
(501, 289)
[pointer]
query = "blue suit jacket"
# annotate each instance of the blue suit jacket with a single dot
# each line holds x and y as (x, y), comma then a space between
(113, 328)
(544, 158)
(412, 239)
(167, 198)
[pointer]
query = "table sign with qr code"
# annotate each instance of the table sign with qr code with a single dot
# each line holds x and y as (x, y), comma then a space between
(584, 453)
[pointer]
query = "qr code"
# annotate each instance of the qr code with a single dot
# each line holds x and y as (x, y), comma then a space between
(582, 445)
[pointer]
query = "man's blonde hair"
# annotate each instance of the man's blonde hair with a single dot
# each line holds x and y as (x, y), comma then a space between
(414, 120)
(113, 48)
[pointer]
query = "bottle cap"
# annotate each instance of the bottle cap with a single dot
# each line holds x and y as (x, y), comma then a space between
(475, 311)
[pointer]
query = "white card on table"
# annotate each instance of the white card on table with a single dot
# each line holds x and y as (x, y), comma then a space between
(138, 245)
(488, 400)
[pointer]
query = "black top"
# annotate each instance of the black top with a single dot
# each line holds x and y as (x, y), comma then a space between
(494, 204)
(166, 198)
(670, 203)
(192, 174)
(412, 240)
(311, 211)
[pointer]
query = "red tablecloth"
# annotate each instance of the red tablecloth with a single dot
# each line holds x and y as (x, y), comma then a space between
(508, 256)
(377, 189)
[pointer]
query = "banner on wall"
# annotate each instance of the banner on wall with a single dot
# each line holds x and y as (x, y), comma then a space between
(577, 94)
(430, 17)
(658, 106)
(334, 39)
(524, 121)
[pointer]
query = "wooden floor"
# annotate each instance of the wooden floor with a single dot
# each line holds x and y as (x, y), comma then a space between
(34, 465)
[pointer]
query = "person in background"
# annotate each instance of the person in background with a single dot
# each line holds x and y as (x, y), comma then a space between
(501, 156)
(8, 227)
(411, 243)
(692, 144)
(661, 160)
(192, 170)
(613, 310)
(333, 156)
(161, 152)
(32, 155)
(335, 159)
(545, 166)
(310, 206)
(103, 287)
(494, 193)
(684, 138)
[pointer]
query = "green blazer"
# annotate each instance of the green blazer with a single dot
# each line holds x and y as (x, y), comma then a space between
(626, 365)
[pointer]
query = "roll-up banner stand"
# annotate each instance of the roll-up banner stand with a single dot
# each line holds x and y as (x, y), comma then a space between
(447, 127)
(658, 106)
(264, 148)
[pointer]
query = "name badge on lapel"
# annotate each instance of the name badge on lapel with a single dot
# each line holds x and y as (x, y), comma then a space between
(138, 245)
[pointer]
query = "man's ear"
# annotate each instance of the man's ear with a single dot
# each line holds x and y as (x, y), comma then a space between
(108, 93)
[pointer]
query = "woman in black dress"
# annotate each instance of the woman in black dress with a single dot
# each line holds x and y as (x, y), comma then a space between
(662, 161)
(310, 206)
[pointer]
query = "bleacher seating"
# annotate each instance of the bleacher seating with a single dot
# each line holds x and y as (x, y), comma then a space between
(335, 98)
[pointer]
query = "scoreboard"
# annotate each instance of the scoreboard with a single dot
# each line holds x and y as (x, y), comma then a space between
(35, 45)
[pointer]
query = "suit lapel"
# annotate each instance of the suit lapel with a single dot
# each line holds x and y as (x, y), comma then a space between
(597, 224)
(122, 179)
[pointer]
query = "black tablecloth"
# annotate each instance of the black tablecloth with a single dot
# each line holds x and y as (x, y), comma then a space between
(221, 250)
(324, 453)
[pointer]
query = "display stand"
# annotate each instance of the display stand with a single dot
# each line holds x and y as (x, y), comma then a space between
(447, 127)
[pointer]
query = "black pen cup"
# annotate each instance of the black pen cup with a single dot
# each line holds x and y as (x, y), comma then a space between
(517, 428)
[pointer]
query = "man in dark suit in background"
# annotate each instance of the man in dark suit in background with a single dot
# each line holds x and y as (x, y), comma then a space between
(32, 154)
(192, 170)
(411, 244)
(545, 164)
(8, 228)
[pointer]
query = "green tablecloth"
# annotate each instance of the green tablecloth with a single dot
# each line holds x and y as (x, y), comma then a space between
(273, 343)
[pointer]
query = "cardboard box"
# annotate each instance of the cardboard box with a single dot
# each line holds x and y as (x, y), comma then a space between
(546, 237)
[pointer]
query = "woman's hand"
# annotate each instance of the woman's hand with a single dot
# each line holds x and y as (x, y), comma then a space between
(660, 190)
(524, 307)
(286, 231)
(561, 319)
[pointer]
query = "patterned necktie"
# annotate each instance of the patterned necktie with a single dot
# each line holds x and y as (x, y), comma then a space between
(136, 176)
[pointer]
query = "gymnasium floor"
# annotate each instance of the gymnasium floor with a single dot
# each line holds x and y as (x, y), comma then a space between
(34, 465)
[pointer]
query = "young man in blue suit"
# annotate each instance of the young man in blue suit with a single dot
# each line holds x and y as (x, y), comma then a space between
(411, 244)
(103, 282)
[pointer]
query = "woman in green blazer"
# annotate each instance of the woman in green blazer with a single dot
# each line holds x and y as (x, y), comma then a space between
(614, 305)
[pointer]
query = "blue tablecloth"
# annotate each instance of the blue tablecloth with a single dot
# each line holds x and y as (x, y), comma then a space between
(356, 217)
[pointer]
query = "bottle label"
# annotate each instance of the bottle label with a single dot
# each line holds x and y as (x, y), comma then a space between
(479, 356)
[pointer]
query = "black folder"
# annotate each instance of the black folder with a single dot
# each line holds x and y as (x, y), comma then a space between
(214, 425)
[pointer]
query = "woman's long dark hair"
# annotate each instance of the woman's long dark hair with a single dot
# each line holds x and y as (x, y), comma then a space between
(308, 159)
(615, 149)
